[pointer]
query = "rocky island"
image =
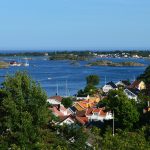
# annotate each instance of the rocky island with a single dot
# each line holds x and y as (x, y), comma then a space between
(3, 64)
(68, 57)
(114, 64)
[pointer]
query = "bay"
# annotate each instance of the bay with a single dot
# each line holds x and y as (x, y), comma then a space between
(69, 78)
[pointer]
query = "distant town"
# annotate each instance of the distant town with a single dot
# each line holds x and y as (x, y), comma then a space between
(90, 53)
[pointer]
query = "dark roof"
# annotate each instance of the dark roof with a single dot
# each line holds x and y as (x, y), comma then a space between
(112, 84)
(73, 109)
(126, 82)
(135, 91)
(135, 84)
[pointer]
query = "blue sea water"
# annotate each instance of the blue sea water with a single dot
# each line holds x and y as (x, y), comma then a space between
(65, 75)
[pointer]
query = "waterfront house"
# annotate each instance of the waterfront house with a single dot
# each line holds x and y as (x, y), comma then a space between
(55, 100)
(93, 114)
(60, 111)
(137, 84)
(82, 98)
(109, 86)
(67, 120)
(132, 93)
(123, 83)
(98, 114)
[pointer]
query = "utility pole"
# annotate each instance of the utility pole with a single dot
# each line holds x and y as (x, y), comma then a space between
(57, 89)
(105, 80)
(113, 123)
(66, 89)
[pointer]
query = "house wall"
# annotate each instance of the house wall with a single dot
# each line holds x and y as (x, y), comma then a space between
(142, 86)
(53, 101)
(68, 121)
(106, 88)
(130, 95)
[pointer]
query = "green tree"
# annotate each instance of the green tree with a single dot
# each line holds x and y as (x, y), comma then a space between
(67, 102)
(92, 79)
(124, 140)
(125, 110)
(23, 111)
(145, 76)
(90, 89)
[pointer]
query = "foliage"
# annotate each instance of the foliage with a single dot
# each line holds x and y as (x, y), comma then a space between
(125, 110)
(23, 111)
(125, 140)
(145, 76)
(75, 135)
(92, 80)
(90, 89)
(67, 102)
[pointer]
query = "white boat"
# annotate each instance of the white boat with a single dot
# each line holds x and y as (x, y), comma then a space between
(14, 63)
(26, 64)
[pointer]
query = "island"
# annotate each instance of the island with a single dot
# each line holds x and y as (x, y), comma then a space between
(3, 64)
(72, 57)
(114, 64)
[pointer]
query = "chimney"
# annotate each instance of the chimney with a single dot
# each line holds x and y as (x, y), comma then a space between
(58, 107)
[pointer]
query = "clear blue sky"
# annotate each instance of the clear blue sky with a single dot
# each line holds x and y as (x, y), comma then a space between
(74, 24)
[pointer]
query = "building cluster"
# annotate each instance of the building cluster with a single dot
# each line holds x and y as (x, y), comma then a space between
(86, 111)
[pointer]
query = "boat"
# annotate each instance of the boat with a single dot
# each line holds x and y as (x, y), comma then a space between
(26, 64)
(14, 63)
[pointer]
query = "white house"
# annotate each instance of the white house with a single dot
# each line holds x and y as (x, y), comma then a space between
(109, 86)
(82, 98)
(98, 114)
(123, 83)
(132, 93)
(55, 100)
(68, 120)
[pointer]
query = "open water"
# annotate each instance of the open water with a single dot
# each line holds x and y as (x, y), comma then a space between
(69, 78)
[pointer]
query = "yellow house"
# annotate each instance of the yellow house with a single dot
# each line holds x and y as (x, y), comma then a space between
(138, 84)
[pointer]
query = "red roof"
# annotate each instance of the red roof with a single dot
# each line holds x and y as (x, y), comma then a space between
(89, 111)
(82, 120)
(135, 84)
(97, 110)
(58, 98)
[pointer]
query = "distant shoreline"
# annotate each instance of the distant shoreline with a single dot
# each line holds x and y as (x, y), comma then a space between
(79, 55)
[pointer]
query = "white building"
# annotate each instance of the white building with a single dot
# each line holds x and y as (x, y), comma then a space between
(109, 86)
(132, 93)
(55, 100)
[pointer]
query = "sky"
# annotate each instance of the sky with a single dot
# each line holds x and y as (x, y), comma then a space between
(74, 24)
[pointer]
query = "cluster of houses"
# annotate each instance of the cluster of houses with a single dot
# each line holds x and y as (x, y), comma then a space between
(131, 90)
(85, 110)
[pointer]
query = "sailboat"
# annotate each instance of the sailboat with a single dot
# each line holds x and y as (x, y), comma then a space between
(26, 64)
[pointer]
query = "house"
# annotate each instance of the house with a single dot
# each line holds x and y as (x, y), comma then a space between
(132, 93)
(82, 98)
(72, 110)
(109, 86)
(60, 110)
(123, 83)
(98, 114)
(67, 120)
(137, 84)
(93, 114)
(82, 120)
(147, 109)
(55, 100)
(82, 105)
